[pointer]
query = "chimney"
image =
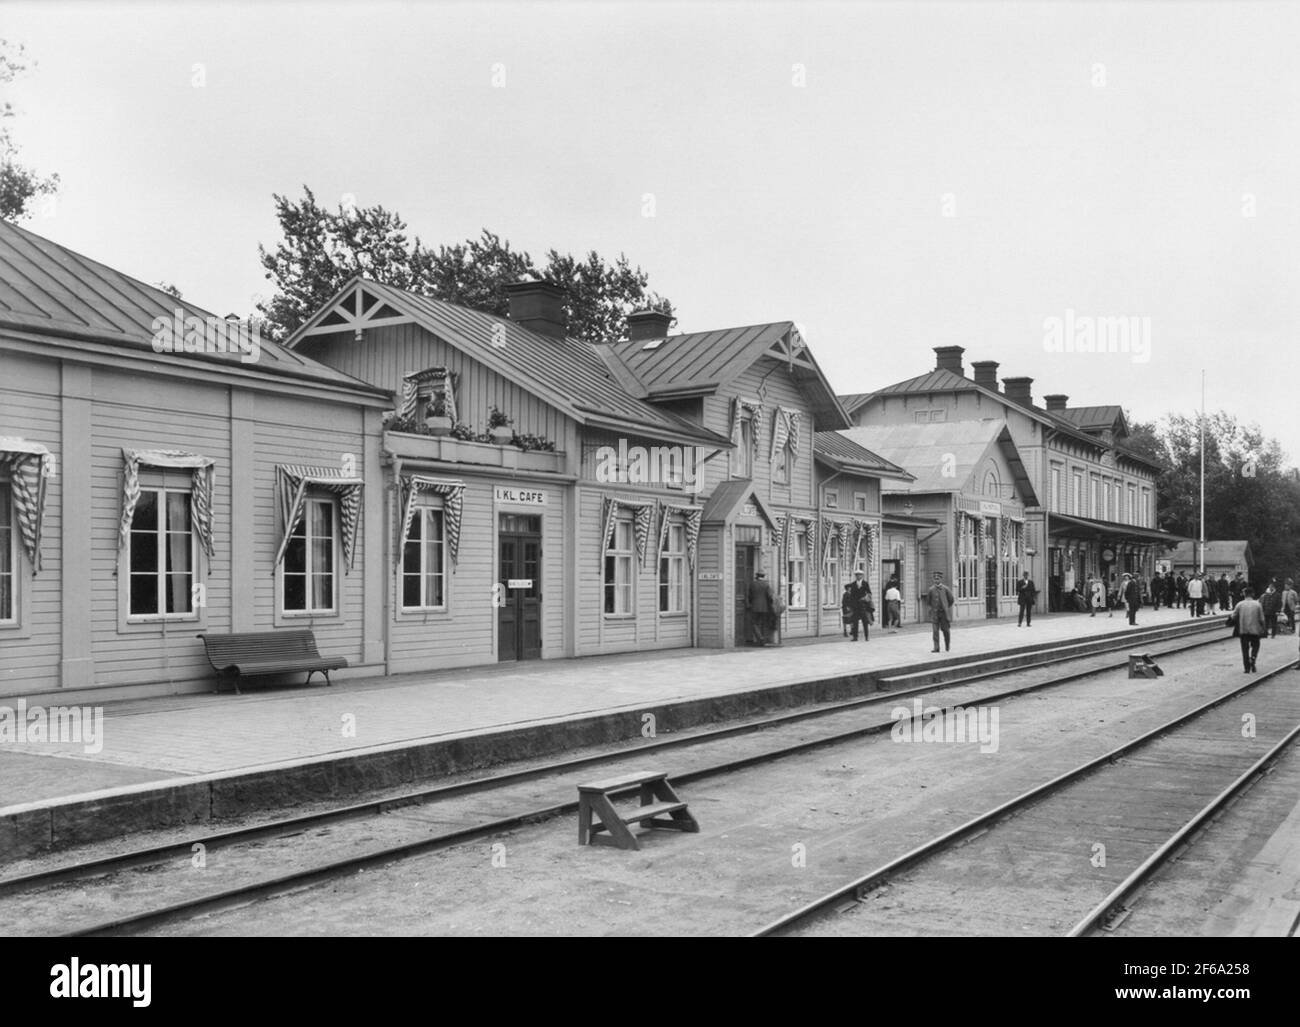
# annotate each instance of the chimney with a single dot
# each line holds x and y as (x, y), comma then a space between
(949, 359)
(1018, 390)
(986, 374)
(1055, 404)
(538, 306)
(647, 324)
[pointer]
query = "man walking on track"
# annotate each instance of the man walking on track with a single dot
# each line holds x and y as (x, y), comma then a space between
(1247, 618)
(1026, 593)
(941, 600)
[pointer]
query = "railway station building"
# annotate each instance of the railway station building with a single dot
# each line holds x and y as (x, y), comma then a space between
(1096, 496)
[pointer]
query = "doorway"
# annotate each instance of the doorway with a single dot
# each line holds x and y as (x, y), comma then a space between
(746, 566)
(519, 615)
(891, 570)
(991, 587)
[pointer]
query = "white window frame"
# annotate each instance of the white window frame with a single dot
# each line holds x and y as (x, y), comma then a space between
(797, 570)
(743, 457)
(673, 560)
(831, 498)
(1057, 476)
(14, 576)
(335, 563)
(968, 560)
(831, 587)
(162, 490)
(1078, 484)
(860, 502)
(623, 557)
(423, 513)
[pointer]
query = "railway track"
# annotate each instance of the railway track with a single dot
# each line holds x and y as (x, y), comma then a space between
(503, 789)
(1162, 786)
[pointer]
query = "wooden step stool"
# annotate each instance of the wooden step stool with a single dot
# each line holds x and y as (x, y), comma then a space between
(657, 799)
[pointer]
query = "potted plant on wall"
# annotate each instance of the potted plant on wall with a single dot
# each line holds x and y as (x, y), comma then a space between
(436, 418)
(499, 427)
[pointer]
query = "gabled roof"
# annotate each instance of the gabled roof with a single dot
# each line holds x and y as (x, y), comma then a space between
(703, 363)
(728, 497)
(1231, 551)
(843, 454)
(923, 450)
(567, 374)
(943, 380)
(1096, 418)
(49, 290)
(851, 401)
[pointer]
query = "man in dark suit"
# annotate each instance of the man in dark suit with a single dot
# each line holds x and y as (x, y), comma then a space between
(1132, 594)
(760, 604)
(860, 596)
(1026, 593)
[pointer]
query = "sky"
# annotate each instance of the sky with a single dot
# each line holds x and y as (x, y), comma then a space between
(1017, 178)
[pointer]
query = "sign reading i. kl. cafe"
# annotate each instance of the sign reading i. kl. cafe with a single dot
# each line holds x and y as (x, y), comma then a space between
(517, 496)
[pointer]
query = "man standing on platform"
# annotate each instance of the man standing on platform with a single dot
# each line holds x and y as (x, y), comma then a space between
(859, 596)
(1026, 593)
(1223, 592)
(1237, 589)
(941, 601)
(1195, 596)
(1132, 593)
(1181, 586)
(759, 603)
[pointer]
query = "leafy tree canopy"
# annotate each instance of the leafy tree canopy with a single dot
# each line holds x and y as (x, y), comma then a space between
(322, 249)
(19, 185)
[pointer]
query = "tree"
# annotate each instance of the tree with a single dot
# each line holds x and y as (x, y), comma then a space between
(321, 250)
(1249, 492)
(19, 185)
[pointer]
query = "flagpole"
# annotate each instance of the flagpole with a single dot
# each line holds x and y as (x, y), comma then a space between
(1200, 559)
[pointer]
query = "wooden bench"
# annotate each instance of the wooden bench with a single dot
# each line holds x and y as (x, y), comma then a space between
(657, 799)
(1140, 665)
(252, 653)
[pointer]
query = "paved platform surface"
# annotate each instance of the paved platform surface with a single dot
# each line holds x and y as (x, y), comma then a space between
(166, 739)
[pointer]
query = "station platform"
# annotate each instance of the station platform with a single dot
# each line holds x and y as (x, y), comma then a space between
(197, 758)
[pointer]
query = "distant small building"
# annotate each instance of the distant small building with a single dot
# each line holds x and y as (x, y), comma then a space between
(1220, 558)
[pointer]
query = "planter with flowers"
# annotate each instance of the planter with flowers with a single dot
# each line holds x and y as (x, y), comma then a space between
(500, 428)
(436, 418)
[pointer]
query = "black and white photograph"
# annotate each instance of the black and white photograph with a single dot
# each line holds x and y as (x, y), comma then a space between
(639, 470)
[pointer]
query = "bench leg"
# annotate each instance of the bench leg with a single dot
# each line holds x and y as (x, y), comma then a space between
(584, 820)
(610, 821)
(682, 820)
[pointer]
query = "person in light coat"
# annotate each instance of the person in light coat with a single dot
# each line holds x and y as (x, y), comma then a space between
(1247, 618)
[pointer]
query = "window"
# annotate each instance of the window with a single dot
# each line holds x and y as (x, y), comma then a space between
(929, 416)
(1148, 514)
(1055, 500)
(309, 560)
(8, 557)
(832, 498)
(797, 571)
(860, 502)
(672, 571)
(781, 466)
(991, 486)
(831, 573)
(1076, 506)
(424, 561)
(968, 559)
(744, 455)
(1094, 497)
(161, 555)
(1011, 569)
(1134, 514)
(618, 568)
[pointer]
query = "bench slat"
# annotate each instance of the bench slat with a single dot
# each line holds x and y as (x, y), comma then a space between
(624, 781)
(639, 813)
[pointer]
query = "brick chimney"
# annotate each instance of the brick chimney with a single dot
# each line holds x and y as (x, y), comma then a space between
(647, 324)
(538, 306)
(1018, 390)
(948, 358)
(1056, 403)
(986, 374)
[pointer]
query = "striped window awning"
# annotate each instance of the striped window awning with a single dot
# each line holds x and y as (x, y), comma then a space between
(30, 466)
(453, 492)
(693, 515)
(201, 506)
(294, 481)
(785, 432)
(432, 381)
(642, 516)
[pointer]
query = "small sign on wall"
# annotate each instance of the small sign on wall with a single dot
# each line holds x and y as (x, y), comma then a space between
(518, 496)
(988, 509)
(710, 575)
(519, 583)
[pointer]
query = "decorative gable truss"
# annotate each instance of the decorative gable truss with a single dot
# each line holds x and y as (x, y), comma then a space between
(791, 348)
(355, 311)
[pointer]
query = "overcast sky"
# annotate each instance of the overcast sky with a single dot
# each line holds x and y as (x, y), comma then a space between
(892, 177)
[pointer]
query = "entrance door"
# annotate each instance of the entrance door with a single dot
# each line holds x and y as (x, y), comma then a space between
(990, 587)
(746, 565)
(890, 570)
(519, 617)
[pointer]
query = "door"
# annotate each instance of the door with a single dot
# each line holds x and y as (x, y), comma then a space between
(519, 572)
(990, 588)
(746, 565)
(891, 570)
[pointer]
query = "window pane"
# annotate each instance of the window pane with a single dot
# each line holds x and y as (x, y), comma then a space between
(295, 556)
(433, 593)
(410, 589)
(322, 555)
(322, 591)
(144, 594)
(144, 552)
(178, 511)
(145, 517)
(178, 593)
(295, 591)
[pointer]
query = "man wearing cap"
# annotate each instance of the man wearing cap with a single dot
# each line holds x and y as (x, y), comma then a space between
(759, 603)
(860, 596)
(1026, 593)
(1131, 593)
(941, 600)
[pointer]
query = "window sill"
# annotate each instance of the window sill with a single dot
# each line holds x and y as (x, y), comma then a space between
(664, 615)
(619, 616)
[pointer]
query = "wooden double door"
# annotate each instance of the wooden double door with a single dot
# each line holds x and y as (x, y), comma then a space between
(519, 574)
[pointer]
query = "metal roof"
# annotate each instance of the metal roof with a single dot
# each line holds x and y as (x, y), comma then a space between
(851, 401)
(48, 289)
(705, 362)
(728, 497)
(923, 450)
(844, 453)
(568, 374)
(1067, 525)
(1223, 551)
(1094, 418)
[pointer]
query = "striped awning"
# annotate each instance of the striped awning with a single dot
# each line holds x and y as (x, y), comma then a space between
(738, 407)
(294, 481)
(437, 381)
(785, 432)
(201, 497)
(642, 516)
(693, 516)
(453, 492)
(30, 466)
